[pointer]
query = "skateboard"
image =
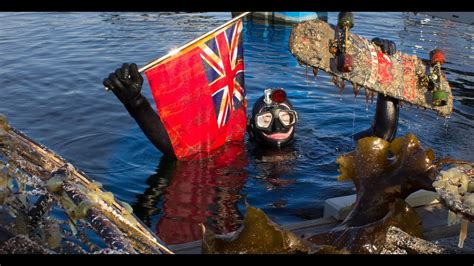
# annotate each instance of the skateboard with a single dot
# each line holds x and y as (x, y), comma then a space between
(347, 56)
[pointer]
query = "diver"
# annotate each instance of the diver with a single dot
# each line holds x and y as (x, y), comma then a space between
(271, 130)
(271, 124)
(204, 191)
(273, 119)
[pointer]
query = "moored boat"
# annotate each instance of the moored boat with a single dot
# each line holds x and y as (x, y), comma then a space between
(286, 17)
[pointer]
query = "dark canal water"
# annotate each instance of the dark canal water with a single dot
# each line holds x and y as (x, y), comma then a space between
(51, 77)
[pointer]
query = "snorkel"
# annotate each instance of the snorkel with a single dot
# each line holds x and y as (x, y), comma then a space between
(273, 119)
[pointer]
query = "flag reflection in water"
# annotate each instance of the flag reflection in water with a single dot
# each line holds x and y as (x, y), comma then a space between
(193, 192)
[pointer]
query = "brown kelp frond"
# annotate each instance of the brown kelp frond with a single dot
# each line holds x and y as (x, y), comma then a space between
(376, 158)
(370, 238)
(384, 174)
(259, 235)
(368, 160)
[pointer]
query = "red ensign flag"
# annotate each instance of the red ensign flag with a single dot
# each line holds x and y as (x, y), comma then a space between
(199, 93)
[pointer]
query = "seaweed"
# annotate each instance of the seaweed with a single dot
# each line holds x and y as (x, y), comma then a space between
(259, 235)
(384, 174)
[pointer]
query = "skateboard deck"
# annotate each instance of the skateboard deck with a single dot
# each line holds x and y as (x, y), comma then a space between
(399, 75)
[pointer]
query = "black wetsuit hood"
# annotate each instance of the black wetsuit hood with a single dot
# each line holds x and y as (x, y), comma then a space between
(262, 136)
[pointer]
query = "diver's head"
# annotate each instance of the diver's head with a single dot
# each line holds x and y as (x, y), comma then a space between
(273, 119)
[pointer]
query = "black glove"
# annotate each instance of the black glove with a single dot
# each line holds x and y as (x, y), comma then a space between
(126, 83)
(387, 46)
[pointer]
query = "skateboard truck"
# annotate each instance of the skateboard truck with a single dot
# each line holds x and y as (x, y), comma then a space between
(439, 95)
(345, 21)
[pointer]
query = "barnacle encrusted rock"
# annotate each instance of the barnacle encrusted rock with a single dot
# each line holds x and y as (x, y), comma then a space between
(456, 189)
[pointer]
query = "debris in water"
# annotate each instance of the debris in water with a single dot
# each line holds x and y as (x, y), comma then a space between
(455, 186)
(366, 96)
(452, 218)
(342, 86)
(355, 89)
(335, 80)
(463, 232)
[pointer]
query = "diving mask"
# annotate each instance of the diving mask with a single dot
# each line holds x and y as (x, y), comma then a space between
(275, 108)
(287, 118)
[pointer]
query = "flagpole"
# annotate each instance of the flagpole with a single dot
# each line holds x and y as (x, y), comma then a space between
(174, 51)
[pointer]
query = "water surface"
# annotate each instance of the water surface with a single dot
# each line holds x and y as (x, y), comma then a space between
(54, 64)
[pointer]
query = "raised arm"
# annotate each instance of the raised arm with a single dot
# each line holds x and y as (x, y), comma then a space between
(385, 121)
(126, 83)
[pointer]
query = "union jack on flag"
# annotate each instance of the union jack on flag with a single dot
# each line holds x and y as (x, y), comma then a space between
(224, 67)
(199, 92)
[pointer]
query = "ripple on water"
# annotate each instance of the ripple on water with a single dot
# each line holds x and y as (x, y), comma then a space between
(52, 90)
(89, 154)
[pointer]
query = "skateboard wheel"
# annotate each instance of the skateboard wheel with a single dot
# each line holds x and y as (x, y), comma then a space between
(344, 63)
(437, 56)
(439, 98)
(345, 19)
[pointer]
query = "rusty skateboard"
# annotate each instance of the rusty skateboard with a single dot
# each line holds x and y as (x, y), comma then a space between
(350, 57)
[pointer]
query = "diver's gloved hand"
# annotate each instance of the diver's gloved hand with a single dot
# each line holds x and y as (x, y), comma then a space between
(126, 83)
(387, 46)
